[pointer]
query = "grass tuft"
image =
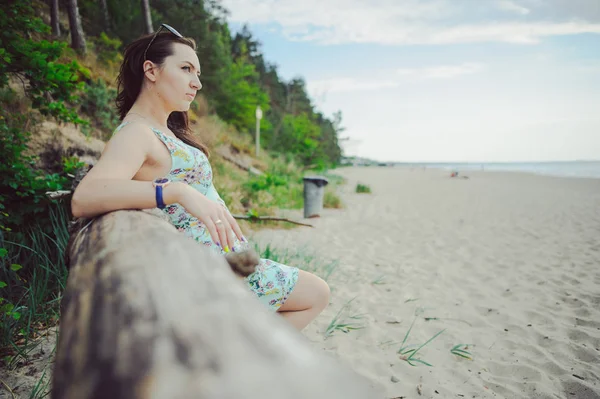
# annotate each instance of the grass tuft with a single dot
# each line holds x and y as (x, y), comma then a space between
(344, 323)
(30, 300)
(379, 280)
(302, 257)
(461, 351)
(408, 352)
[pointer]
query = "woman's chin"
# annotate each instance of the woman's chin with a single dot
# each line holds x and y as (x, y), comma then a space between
(184, 106)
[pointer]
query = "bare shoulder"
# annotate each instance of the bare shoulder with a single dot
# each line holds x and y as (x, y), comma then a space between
(134, 133)
(125, 153)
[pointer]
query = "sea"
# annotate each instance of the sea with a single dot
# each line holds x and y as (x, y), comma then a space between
(578, 169)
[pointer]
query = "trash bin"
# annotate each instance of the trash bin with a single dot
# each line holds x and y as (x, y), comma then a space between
(314, 190)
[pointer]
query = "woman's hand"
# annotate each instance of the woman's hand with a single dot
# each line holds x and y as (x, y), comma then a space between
(217, 219)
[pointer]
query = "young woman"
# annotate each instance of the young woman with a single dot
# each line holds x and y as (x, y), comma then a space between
(153, 160)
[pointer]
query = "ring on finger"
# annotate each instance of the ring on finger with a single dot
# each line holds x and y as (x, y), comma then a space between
(218, 221)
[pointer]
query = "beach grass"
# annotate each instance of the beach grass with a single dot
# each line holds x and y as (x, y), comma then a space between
(461, 351)
(408, 352)
(33, 277)
(301, 257)
(344, 321)
(42, 388)
(379, 280)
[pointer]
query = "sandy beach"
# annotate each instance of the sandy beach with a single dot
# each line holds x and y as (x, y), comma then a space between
(507, 265)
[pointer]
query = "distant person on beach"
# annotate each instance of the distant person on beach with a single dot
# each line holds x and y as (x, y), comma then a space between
(154, 161)
(455, 174)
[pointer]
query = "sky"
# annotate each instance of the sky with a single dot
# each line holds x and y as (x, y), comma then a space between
(442, 80)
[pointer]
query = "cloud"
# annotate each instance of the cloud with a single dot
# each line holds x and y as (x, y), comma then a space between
(451, 71)
(407, 22)
(564, 10)
(350, 84)
(393, 79)
(509, 5)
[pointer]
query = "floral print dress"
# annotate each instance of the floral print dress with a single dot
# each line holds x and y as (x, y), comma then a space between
(272, 282)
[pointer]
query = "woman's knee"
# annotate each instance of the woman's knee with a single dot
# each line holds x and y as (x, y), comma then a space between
(322, 293)
(311, 292)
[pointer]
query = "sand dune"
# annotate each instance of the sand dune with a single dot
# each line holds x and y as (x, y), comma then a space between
(505, 263)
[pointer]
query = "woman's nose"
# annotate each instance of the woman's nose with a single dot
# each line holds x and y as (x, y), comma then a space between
(196, 84)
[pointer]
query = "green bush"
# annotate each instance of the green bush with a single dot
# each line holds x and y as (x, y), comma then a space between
(361, 188)
(108, 50)
(49, 84)
(279, 187)
(33, 231)
(266, 181)
(23, 201)
(271, 190)
(98, 102)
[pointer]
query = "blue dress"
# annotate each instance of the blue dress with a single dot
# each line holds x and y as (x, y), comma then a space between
(272, 282)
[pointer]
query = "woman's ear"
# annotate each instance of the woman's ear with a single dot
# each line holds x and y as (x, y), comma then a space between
(150, 70)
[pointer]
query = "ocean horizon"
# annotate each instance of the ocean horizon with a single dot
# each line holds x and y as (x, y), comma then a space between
(578, 169)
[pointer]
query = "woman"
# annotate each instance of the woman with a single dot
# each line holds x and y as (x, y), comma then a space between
(152, 160)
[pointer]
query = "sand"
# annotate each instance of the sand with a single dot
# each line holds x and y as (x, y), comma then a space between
(506, 263)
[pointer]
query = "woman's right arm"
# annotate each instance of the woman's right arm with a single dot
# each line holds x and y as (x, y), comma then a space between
(108, 186)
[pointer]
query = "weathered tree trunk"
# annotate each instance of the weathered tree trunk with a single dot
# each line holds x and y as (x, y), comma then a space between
(148, 313)
(77, 36)
(107, 25)
(147, 16)
(54, 22)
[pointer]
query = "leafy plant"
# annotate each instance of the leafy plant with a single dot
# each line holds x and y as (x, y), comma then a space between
(7, 308)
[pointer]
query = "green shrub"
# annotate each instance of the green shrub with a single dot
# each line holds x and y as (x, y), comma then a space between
(49, 84)
(266, 181)
(108, 50)
(361, 188)
(23, 201)
(279, 187)
(270, 190)
(98, 101)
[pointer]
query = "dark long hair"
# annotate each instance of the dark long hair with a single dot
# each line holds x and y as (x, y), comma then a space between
(131, 77)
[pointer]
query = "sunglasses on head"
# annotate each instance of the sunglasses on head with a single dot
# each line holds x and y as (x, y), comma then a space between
(167, 27)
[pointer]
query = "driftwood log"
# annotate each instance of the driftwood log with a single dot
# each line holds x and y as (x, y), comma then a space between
(149, 313)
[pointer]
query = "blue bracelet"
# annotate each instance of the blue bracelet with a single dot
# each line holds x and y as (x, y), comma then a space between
(159, 184)
(159, 197)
